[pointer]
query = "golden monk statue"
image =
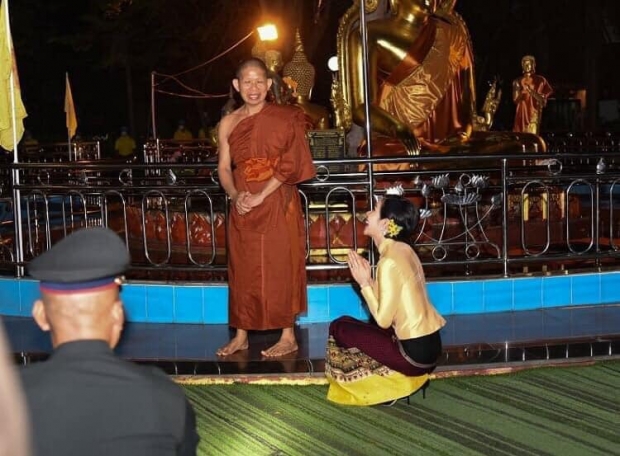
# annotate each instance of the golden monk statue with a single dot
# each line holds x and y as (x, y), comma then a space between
(420, 79)
(300, 76)
(259, 49)
(530, 93)
(279, 90)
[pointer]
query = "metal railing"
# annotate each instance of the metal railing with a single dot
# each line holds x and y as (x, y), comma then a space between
(481, 215)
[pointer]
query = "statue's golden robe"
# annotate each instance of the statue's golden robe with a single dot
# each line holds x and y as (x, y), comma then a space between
(529, 110)
(426, 89)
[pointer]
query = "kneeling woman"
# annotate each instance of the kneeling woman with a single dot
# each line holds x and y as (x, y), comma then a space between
(371, 363)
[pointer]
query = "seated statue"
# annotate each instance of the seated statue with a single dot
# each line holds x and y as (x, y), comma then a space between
(421, 79)
(299, 75)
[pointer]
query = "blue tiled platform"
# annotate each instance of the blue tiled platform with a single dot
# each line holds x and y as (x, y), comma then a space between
(180, 326)
(207, 303)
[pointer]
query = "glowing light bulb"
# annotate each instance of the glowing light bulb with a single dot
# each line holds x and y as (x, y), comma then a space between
(268, 32)
(332, 63)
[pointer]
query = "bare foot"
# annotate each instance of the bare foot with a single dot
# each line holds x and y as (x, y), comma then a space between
(283, 347)
(236, 344)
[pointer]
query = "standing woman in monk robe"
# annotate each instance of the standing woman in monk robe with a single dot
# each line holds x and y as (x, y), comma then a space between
(263, 154)
(373, 363)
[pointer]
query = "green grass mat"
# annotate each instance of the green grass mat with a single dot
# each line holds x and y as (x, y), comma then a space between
(546, 411)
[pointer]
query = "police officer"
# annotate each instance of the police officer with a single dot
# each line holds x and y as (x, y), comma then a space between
(85, 400)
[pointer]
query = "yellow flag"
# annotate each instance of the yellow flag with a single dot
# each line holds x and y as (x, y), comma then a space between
(70, 109)
(9, 86)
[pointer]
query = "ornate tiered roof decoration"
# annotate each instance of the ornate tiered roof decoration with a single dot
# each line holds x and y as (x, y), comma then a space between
(299, 69)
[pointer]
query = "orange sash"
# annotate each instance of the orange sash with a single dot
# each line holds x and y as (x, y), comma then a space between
(259, 169)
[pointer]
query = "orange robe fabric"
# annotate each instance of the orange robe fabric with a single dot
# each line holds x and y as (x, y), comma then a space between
(266, 247)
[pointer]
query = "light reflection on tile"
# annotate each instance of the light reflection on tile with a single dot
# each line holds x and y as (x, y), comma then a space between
(190, 346)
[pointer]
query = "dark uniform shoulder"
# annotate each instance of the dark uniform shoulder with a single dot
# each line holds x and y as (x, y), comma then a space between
(154, 374)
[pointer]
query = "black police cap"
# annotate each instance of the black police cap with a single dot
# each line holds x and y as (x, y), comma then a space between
(87, 258)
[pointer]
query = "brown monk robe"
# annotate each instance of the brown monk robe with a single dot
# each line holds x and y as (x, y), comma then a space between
(266, 246)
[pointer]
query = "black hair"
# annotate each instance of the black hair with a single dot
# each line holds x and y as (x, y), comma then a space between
(251, 62)
(404, 213)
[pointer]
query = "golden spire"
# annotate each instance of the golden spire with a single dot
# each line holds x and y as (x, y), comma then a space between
(299, 69)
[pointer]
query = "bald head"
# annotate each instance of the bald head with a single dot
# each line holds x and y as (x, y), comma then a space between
(87, 315)
(251, 63)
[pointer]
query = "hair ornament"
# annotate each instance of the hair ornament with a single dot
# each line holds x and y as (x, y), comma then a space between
(393, 229)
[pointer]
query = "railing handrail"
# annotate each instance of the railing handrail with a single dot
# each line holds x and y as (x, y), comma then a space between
(97, 185)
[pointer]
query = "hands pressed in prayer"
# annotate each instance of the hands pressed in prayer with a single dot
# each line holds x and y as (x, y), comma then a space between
(360, 269)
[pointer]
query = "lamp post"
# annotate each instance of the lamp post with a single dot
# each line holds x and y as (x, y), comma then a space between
(367, 101)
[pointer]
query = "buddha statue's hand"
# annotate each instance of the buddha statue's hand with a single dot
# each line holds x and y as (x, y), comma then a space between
(386, 124)
(405, 135)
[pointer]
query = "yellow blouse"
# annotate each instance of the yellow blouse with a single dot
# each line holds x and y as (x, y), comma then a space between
(398, 297)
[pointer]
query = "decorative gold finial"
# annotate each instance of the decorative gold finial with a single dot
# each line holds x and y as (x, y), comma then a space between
(299, 69)
(299, 46)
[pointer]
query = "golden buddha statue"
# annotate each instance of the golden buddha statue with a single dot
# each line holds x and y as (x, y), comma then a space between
(301, 75)
(421, 79)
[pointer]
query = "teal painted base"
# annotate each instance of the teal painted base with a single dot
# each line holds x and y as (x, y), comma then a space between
(207, 303)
